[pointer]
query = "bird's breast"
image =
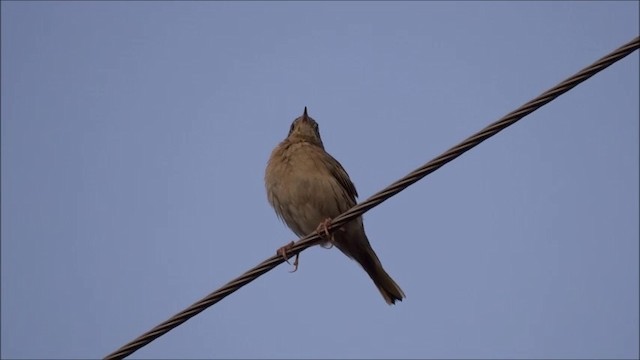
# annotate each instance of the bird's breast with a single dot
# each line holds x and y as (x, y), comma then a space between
(302, 189)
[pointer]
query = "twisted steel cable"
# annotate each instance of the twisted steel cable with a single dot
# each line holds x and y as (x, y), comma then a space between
(379, 197)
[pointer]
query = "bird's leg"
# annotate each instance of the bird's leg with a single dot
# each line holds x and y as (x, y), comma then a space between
(323, 230)
(282, 251)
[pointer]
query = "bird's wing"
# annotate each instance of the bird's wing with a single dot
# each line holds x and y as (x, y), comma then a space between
(341, 175)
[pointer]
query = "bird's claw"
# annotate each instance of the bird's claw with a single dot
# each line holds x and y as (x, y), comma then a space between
(323, 230)
(282, 251)
(295, 264)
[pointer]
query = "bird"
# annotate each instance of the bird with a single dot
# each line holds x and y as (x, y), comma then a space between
(307, 187)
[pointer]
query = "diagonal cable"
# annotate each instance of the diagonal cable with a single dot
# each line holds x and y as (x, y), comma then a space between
(379, 197)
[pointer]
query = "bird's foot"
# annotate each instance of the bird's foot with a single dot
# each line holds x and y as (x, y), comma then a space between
(282, 251)
(323, 230)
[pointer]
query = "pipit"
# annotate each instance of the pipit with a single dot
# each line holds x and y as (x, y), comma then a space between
(307, 187)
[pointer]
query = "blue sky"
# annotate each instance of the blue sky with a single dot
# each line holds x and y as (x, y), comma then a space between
(134, 142)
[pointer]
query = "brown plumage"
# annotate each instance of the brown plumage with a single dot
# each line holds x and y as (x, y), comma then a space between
(305, 185)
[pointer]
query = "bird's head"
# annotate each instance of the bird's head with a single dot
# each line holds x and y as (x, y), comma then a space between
(304, 128)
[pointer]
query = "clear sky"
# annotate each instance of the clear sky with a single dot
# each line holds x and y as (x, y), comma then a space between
(134, 142)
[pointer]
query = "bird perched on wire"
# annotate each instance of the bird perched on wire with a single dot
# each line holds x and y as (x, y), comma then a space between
(307, 187)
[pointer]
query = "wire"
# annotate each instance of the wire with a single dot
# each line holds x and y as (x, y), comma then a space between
(379, 198)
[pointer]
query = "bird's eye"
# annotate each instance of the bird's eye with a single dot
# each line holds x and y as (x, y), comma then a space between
(293, 125)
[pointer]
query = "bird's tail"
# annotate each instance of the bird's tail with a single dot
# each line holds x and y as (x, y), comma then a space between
(388, 288)
(363, 253)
